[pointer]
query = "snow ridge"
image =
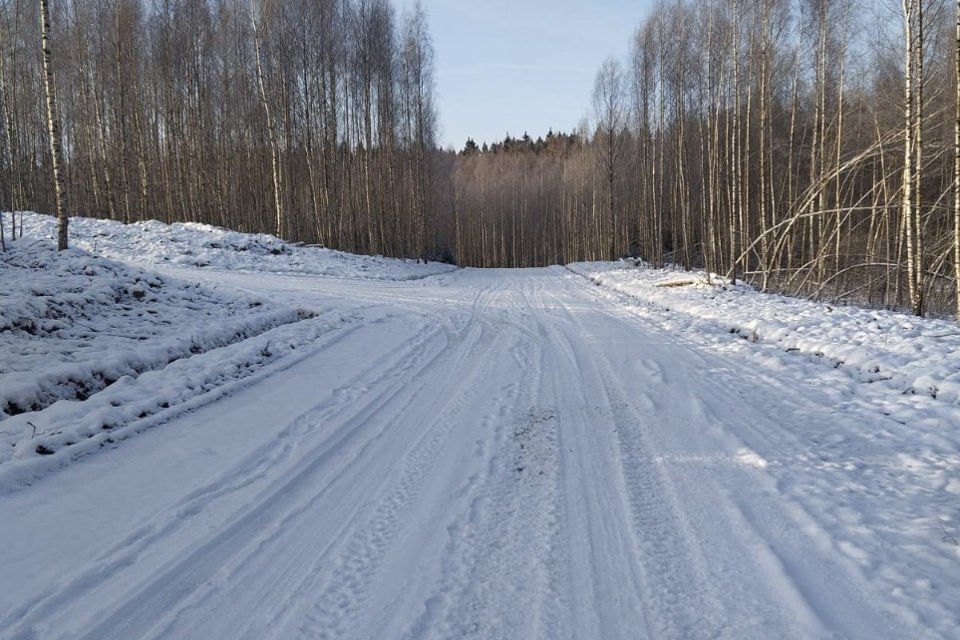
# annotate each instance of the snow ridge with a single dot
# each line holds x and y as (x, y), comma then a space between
(71, 324)
(191, 244)
(917, 359)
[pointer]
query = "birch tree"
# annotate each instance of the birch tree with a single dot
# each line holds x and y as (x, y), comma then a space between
(259, 14)
(608, 105)
(53, 126)
(956, 161)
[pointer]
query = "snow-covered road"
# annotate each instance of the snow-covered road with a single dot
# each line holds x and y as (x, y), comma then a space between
(492, 454)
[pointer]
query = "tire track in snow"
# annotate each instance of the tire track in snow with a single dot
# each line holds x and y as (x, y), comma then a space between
(679, 598)
(796, 534)
(601, 581)
(340, 572)
(252, 469)
(161, 597)
(764, 530)
(677, 601)
(494, 574)
(343, 597)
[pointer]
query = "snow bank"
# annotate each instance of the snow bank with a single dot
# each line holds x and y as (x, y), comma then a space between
(36, 442)
(93, 350)
(917, 358)
(71, 324)
(202, 245)
(95, 347)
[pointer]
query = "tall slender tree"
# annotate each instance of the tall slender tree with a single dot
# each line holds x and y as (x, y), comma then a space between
(259, 15)
(53, 126)
(956, 160)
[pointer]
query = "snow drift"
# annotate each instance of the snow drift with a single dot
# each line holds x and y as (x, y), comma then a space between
(202, 245)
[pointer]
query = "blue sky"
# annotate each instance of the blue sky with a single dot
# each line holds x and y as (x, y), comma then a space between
(522, 65)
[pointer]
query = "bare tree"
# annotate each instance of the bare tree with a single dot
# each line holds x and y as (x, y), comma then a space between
(766, 140)
(956, 162)
(53, 126)
(610, 112)
(258, 16)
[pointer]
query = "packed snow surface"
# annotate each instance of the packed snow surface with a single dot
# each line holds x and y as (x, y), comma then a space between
(541, 453)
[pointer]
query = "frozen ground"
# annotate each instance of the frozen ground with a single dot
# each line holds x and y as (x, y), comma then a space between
(507, 454)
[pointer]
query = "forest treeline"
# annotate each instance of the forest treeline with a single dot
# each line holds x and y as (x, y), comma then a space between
(808, 146)
(311, 119)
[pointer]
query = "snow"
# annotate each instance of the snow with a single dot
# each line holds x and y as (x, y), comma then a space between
(67, 430)
(72, 324)
(916, 360)
(203, 245)
(540, 453)
(76, 323)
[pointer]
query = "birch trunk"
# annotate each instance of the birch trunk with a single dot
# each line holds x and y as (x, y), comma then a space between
(956, 165)
(53, 127)
(271, 133)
